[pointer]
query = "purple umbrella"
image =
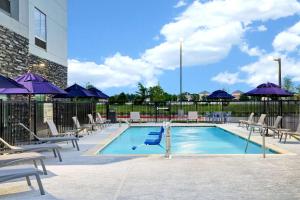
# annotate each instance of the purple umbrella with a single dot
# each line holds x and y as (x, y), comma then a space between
(98, 93)
(269, 89)
(9, 84)
(76, 91)
(220, 94)
(38, 85)
(33, 84)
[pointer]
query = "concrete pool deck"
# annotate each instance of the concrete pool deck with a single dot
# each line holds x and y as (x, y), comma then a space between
(183, 177)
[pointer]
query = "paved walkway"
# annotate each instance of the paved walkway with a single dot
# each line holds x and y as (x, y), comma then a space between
(197, 177)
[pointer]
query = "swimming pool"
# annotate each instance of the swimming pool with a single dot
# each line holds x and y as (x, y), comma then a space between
(184, 140)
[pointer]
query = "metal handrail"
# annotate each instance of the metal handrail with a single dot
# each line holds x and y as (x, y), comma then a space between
(252, 127)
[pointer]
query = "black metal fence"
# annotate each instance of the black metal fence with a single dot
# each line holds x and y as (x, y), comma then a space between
(157, 112)
(13, 112)
(34, 115)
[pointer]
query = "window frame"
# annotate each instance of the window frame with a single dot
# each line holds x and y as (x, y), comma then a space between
(37, 37)
(5, 11)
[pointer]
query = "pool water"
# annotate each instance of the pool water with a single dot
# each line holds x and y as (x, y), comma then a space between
(184, 140)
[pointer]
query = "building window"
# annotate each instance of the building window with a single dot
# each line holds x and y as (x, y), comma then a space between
(5, 5)
(40, 29)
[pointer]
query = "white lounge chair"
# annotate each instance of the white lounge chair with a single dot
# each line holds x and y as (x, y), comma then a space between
(247, 122)
(56, 138)
(100, 119)
(34, 147)
(260, 123)
(295, 134)
(56, 135)
(192, 116)
(79, 128)
(93, 122)
(135, 117)
(11, 174)
(275, 127)
(16, 158)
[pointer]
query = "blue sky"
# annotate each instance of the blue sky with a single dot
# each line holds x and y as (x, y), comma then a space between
(115, 44)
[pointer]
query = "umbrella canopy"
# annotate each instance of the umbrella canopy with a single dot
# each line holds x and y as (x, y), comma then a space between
(76, 91)
(220, 94)
(38, 85)
(8, 86)
(98, 93)
(269, 89)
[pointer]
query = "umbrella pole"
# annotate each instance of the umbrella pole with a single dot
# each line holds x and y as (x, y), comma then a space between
(29, 102)
(76, 109)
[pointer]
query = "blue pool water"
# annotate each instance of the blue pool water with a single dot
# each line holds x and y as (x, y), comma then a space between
(184, 140)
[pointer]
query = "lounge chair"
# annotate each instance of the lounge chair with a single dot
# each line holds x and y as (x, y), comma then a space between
(57, 138)
(12, 159)
(135, 117)
(208, 116)
(260, 123)
(99, 119)
(11, 174)
(93, 122)
(247, 122)
(34, 147)
(227, 117)
(79, 128)
(295, 134)
(192, 116)
(55, 135)
(275, 127)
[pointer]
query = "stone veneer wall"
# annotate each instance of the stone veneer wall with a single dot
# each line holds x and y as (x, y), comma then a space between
(14, 56)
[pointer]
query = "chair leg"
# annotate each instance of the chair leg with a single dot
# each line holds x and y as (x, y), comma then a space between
(35, 165)
(73, 144)
(280, 137)
(285, 137)
(38, 179)
(59, 156)
(28, 181)
(77, 146)
(43, 166)
(54, 153)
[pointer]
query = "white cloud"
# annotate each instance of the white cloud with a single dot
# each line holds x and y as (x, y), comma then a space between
(254, 51)
(116, 71)
(288, 40)
(262, 28)
(209, 30)
(180, 3)
(266, 70)
(227, 78)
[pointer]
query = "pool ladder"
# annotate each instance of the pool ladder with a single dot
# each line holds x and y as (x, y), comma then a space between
(252, 127)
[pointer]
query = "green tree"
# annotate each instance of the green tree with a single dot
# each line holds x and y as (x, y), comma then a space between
(288, 84)
(89, 85)
(244, 97)
(157, 94)
(122, 98)
(141, 94)
(182, 97)
(195, 97)
(113, 99)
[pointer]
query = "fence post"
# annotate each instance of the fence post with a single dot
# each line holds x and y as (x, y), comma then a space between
(1, 119)
(170, 113)
(156, 111)
(34, 114)
(107, 110)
